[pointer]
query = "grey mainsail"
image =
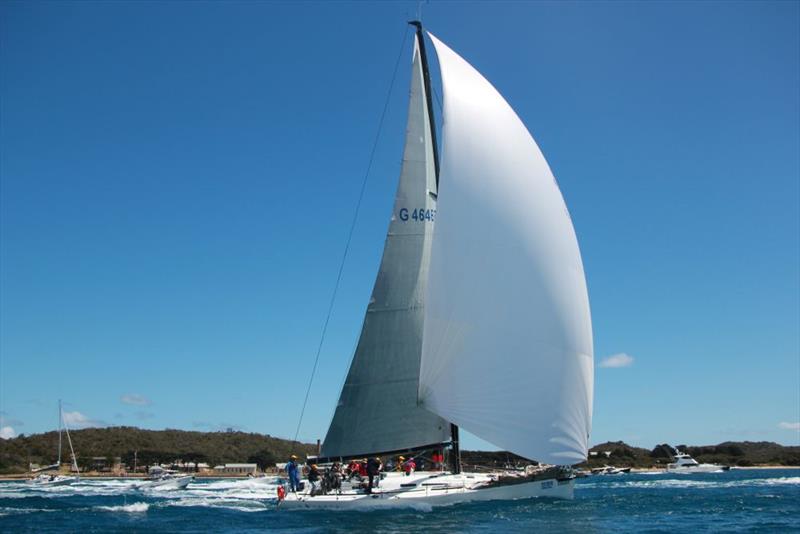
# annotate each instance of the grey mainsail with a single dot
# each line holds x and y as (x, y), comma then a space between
(377, 409)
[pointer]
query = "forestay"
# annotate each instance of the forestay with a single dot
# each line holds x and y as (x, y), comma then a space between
(377, 409)
(507, 351)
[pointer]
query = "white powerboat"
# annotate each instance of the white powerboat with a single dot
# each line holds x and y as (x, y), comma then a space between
(610, 470)
(686, 464)
(52, 480)
(166, 482)
(165, 479)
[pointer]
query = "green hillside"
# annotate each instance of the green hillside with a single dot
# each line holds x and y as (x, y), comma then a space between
(166, 446)
(152, 446)
(733, 453)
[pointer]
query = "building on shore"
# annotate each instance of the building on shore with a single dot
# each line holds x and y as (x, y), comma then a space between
(105, 464)
(237, 469)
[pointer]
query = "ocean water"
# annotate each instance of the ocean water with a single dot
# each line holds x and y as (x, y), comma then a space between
(742, 500)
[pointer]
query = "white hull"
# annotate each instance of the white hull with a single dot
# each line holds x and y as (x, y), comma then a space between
(57, 481)
(435, 491)
(700, 468)
(177, 483)
(605, 471)
(685, 464)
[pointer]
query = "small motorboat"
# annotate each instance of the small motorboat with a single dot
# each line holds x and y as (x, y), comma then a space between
(686, 464)
(610, 470)
(52, 480)
(167, 482)
(165, 479)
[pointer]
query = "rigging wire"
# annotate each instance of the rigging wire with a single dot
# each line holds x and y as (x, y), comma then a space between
(350, 233)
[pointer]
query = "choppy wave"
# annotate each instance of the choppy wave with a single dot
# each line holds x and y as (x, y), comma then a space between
(252, 483)
(222, 502)
(630, 503)
(5, 511)
(683, 483)
(137, 507)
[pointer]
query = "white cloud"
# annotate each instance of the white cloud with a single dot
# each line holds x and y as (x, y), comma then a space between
(7, 432)
(136, 400)
(78, 420)
(789, 426)
(5, 420)
(617, 360)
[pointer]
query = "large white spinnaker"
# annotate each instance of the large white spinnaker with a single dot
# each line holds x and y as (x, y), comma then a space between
(507, 346)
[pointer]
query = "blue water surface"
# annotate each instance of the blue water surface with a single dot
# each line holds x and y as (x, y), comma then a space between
(742, 500)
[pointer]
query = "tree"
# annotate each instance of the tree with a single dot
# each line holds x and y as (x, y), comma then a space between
(662, 451)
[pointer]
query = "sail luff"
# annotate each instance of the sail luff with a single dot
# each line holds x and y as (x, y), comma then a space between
(377, 409)
(426, 88)
(455, 457)
(507, 345)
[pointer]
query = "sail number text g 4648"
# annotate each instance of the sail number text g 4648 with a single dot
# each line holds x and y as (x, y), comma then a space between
(419, 215)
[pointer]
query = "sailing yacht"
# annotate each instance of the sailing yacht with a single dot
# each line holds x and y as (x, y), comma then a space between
(479, 317)
(54, 479)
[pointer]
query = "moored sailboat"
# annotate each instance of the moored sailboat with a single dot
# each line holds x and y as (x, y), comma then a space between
(42, 477)
(479, 318)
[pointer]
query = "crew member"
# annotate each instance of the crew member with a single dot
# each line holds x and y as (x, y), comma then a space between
(438, 459)
(373, 470)
(409, 466)
(294, 475)
(313, 479)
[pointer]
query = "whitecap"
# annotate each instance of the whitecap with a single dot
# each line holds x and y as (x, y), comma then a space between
(229, 504)
(134, 508)
(684, 484)
(4, 511)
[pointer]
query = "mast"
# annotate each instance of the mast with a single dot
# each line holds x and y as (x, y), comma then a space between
(426, 77)
(71, 449)
(456, 448)
(60, 419)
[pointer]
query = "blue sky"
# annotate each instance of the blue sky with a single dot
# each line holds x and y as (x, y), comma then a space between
(177, 182)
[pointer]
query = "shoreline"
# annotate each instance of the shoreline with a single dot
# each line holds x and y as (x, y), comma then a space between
(768, 467)
(733, 468)
(108, 476)
(105, 476)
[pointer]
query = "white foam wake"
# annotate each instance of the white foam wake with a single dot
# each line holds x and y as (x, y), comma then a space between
(137, 507)
(7, 510)
(217, 502)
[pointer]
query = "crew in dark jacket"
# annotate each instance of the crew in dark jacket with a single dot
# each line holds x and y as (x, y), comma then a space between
(313, 478)
(373, 470)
